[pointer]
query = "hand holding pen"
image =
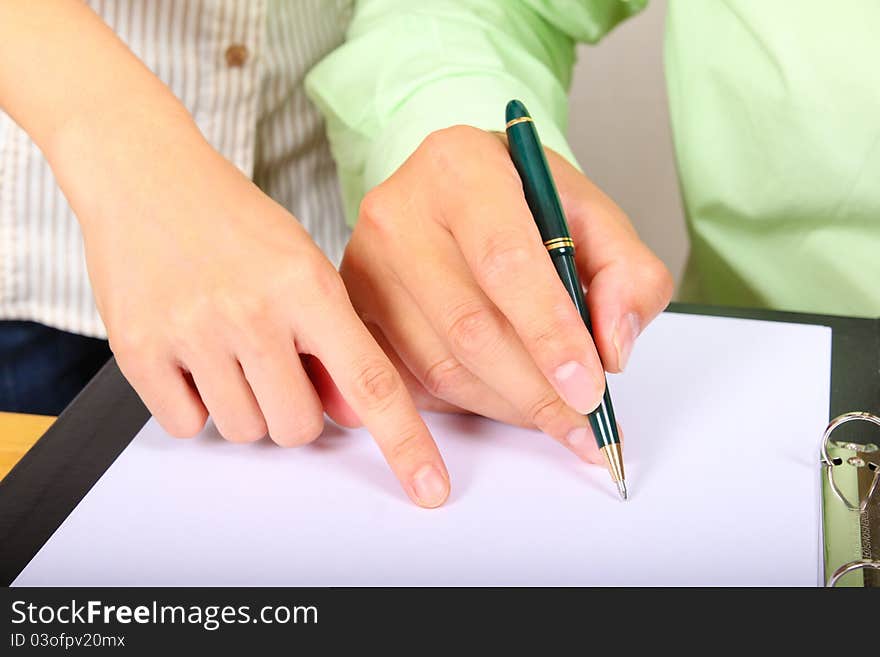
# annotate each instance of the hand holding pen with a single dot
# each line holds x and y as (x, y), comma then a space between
(448, 269)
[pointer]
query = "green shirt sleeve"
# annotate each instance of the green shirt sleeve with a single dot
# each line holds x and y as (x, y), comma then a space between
(409, 68)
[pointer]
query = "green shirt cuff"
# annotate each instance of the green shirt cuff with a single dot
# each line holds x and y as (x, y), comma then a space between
(473, 100)
(409, 69)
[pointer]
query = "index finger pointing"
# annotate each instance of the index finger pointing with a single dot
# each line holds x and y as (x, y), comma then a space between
(376, 392)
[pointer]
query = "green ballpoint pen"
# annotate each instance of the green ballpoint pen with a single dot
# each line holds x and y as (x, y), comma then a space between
(543, 200)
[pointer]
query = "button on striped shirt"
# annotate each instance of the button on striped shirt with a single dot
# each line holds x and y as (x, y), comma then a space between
(238, 66)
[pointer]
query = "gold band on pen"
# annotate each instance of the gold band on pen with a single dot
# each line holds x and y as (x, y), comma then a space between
(559, 242)
(521, 119)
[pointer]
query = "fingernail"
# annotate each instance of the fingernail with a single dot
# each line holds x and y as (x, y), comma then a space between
(625, 334)
(577, 386)
(430, 487)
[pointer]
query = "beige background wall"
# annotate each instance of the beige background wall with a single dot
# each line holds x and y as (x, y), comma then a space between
(619, 130)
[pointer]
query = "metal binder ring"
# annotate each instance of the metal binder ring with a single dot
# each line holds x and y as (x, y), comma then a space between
(850, 567)
(829, 463)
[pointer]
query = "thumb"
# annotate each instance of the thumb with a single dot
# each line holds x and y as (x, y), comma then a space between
(623, 298)
(627, 285)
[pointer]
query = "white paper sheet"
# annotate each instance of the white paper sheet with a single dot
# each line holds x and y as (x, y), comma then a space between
(722, 419)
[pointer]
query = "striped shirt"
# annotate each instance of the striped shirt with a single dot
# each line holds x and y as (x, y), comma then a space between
(238, 66)
(384, 74)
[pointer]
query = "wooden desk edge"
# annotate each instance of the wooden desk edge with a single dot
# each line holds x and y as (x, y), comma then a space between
(18, 433)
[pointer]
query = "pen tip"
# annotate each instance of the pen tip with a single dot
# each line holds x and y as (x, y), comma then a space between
(621, 488)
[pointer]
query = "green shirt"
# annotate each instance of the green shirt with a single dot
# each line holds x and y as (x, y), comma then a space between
(775, 109)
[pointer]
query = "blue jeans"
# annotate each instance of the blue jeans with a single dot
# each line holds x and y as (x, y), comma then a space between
(42, 369)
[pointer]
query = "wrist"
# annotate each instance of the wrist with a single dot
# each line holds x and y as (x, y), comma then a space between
(102, 158)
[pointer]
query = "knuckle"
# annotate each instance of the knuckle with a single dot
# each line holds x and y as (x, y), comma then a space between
(303, 430)
(549, 338)
(461, 131)
(406, 447)
(444, 377)
(377, 385)
(129, 344)
(438, 141)
(182, 425)
(659, 279)
(557, 335)
(326, 283)
(244, 314)
(473, 330)
(444, 146)
(191, 325)
(244, 431)
(545, 410)
(259, 348)
(504, 255)
(667, 284)
(308, 273)
(376, 210)
(255, 310)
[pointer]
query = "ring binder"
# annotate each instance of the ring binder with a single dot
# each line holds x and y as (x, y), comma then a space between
(829, 464)
(852, 566)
